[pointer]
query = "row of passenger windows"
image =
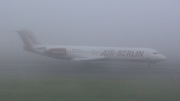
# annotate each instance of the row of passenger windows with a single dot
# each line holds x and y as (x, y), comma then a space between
(93, 52)
(82, 52)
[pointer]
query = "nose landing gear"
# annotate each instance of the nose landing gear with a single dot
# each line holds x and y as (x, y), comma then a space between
(150, 63)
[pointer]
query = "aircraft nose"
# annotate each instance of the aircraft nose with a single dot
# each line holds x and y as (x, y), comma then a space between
(162, 58)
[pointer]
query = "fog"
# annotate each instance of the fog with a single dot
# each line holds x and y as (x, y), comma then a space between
(120, 23)
(26, 76)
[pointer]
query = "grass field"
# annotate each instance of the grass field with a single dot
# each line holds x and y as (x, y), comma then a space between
(87, 89)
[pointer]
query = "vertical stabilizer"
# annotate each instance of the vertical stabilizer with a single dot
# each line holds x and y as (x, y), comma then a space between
(28, 38)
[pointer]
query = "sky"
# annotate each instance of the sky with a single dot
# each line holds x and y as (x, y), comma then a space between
(113, 23)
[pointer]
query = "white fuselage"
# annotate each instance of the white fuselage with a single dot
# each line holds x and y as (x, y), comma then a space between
(88, 53)
(101, 53)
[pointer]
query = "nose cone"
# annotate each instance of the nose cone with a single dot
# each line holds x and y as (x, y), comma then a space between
(162, 58)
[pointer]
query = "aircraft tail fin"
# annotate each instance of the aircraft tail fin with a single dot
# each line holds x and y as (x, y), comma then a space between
(28, 38)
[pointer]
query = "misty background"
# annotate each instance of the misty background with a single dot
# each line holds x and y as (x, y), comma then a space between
(118, 23)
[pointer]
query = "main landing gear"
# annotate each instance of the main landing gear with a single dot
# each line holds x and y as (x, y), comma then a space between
(149, 65)
(87, 64)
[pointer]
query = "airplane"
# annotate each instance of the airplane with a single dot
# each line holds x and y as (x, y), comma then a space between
(89, 53)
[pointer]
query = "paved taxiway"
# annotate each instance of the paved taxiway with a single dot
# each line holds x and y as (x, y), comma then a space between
(94, 71)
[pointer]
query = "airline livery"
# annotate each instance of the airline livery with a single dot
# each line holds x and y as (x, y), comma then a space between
(89, 53)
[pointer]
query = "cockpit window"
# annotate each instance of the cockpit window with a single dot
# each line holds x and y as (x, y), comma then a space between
(155, 53)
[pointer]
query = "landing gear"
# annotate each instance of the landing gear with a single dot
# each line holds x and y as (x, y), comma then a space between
(87, 64)
(149, 65)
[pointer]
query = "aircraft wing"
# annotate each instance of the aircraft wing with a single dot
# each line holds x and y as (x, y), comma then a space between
(88, 58)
